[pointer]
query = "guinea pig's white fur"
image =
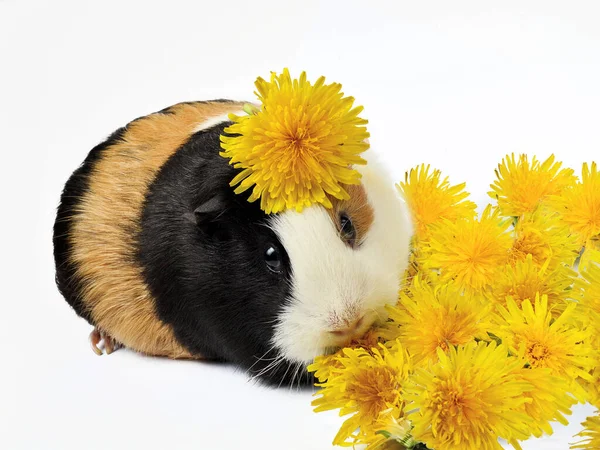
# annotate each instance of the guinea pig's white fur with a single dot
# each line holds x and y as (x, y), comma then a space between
(331, 280)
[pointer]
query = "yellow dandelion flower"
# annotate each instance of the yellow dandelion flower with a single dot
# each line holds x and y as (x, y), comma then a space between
(470, 252)
(579, 206)
(468, 399)
(524, 280)
(521, 186)
(299, 147)
(438, 317)
(543, 342)
(368, 385)
(431, 199)
(548, 399)
(591, 434)
(546, 238)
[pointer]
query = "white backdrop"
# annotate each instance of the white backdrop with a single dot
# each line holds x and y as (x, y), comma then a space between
(455, 84)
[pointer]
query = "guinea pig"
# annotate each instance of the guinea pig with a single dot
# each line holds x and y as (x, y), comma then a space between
(155, 250)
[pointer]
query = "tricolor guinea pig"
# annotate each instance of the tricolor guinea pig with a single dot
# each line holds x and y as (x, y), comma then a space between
(156, 251)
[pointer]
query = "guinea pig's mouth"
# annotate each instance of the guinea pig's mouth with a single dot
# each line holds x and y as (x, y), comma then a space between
(359, 336)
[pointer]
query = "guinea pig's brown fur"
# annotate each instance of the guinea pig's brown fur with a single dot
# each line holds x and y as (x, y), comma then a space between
(104, 226)
(357, 207)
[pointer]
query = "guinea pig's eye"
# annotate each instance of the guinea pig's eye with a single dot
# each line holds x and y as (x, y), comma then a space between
(273, 259)
(347, 230)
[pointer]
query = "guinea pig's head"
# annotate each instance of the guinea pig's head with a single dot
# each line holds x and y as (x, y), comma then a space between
(346, 265)
(299, 283)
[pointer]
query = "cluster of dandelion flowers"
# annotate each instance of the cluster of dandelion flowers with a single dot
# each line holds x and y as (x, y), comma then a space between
(498, 317)
(299, 146)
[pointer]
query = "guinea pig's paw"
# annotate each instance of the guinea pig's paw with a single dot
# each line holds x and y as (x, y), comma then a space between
(102, 342)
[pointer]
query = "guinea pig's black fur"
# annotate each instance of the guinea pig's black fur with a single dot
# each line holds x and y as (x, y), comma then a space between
(202, 249)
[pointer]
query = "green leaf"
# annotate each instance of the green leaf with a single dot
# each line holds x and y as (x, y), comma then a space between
(250, 109)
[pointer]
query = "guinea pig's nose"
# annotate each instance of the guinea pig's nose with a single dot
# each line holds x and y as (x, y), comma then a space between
(349, 329)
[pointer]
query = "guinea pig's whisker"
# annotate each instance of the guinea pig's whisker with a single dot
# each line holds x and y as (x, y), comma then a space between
(271, 366)
(304, 373)
(262, 358)
(284, 375)
(297, 373)
(267, 359)
(301, 369)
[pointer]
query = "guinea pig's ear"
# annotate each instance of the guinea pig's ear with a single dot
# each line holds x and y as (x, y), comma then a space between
(210, 210)
(207, 214)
